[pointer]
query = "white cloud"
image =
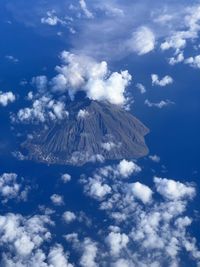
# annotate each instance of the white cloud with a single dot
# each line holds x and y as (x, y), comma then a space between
(21, 239)
(127, 168)
(72, 237)
(122, 263)
(82, 114)
(24, 245)
(97, 189)
(98, 186)
(116, 242)
(141, 88)
(123, 170)
(158, 231)
(57, 199)
(43, 109)
(58, 109)
(161, 104)
(193, 61)
(172, 189)
(29, 96)
(142, 192)
(177, 59)
(183, 222)
(11, 188)
(66, 177)
(6, 98)
(41, 82)
(89, 253)
(166, 80)
(51, 19)
(80, 73)
(187, 30)
(57, 257)
(177, 41)
(142, 41)
(69, 216)
(109, 146)
(155, 158)
(84, 8)
(108, 38)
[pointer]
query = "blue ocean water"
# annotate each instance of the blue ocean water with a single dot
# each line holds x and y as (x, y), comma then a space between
(174, 130)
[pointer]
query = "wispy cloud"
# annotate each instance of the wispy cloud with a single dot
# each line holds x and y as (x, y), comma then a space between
(161, 104)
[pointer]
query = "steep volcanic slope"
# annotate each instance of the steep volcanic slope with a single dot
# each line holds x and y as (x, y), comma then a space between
(99, 131)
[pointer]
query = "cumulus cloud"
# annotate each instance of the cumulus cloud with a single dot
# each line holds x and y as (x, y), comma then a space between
(173, 189)
(142, 41)
(154, 158)
(161, 104)
(82, 114)
(116, 242)
(193, 61)
(89, 253)
(30, 96)
(166, 80)
(51, 19)
(97, 189)
(57, 257)
(127, 168)
(11, 187)
(109, 145)
(43, 109)
(177, 42)
(6, 98)
(187, 31)
(41, 82)
(81, 73)
(22, 240)
(122, 263)
(176, 59)
(159, 231)
(57, 200)
(72, 238)
(69, 216)
(141, 88)
(142, 192)
(66, 177)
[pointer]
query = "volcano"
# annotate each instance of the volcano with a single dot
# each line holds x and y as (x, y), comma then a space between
(93, 131)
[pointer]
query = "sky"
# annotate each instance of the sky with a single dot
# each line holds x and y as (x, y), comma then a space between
(139, 55)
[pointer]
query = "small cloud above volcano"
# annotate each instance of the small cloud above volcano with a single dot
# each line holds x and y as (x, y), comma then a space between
(81, 73)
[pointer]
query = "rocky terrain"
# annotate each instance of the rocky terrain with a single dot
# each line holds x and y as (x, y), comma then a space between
(93, 131)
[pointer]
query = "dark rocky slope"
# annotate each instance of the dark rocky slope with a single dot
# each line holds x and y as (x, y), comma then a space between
(106, 131)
